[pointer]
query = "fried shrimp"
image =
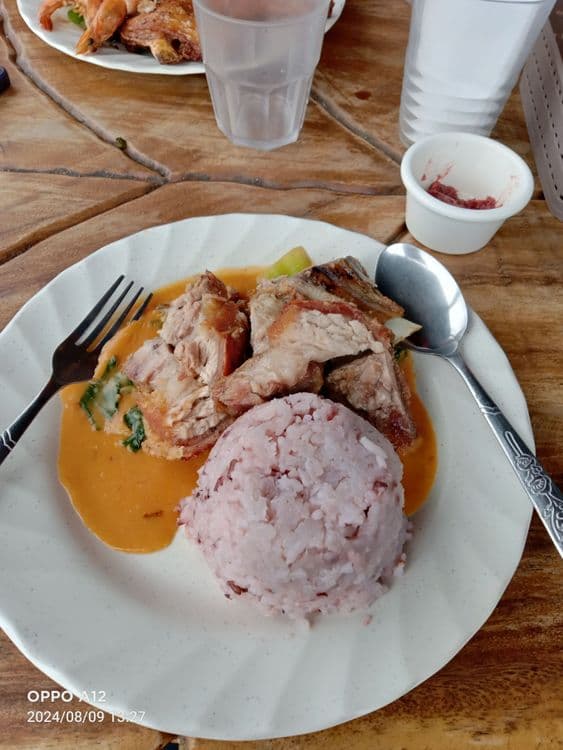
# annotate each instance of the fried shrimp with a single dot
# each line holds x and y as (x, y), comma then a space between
(48, 7)
(103, 20)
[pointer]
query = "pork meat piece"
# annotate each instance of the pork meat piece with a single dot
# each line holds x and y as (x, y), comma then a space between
(270, 298)
(184, 429)
(204, 336)
(180, 418)
(374, 386)
(343, 279)
(371, 384)
(346, 278)
(265, 306)
(207, 328)
(153, 367)
(306, 331)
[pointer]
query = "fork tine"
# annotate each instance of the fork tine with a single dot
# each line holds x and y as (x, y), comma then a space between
(92, 336)
(117, 325)
(91, 316)
(142, 308)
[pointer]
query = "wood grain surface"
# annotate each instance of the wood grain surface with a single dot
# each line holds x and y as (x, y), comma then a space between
(168, 124)
(39, 136)
(67, 190)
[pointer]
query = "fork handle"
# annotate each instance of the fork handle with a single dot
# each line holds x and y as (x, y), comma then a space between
(545, 496)
(13, 433)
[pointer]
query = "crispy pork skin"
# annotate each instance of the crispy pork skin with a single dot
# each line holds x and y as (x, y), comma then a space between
(346, 278)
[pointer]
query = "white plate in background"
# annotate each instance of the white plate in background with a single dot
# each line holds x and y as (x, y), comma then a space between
(65, 35)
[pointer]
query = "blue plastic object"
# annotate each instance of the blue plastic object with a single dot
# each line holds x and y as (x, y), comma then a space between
(4, 80)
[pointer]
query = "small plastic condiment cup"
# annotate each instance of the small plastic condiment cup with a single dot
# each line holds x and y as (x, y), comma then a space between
(477, 167)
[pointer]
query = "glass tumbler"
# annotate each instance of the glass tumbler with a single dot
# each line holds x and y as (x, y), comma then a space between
(260, 57)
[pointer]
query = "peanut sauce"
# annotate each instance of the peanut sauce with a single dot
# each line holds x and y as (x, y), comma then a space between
(128, 499)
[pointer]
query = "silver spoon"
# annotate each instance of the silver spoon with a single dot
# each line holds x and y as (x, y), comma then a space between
(432, 298)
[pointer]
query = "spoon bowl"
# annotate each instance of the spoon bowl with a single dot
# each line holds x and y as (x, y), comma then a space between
(429, 294)
(432, 298)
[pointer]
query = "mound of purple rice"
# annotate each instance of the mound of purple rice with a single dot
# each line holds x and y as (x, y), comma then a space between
(299, 508)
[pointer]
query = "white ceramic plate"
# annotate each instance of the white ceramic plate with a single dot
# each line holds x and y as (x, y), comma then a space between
(65, 35)
(154, 631)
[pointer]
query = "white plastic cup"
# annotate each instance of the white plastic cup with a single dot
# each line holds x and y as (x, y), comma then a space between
(260, 57)
(477, 167)
(463, 59)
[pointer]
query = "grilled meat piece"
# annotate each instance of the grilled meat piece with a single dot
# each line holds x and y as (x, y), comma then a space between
(313, 380)
(154, 367)
(265, 306)
(287, 342)
(306, 331)
(184, 429)
(374, 386)
(207, 328)
(346, 278)
(179, 316)
(166, 27)
(190, 391)
(180, 417)
(342, 279)
(270, 298)
(204, 336)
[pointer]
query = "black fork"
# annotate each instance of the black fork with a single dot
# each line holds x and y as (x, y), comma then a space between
(76, 357)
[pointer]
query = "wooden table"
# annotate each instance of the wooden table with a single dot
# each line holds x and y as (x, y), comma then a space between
(67, 189)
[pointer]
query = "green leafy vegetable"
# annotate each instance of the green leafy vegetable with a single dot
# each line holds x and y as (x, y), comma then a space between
(121, 143)
(101, 396)
(292, 262)
(87, 401)
(77, 18)
(134, 420)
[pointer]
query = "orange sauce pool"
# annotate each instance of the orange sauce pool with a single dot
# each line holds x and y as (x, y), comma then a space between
(420, 460)
(129, 499)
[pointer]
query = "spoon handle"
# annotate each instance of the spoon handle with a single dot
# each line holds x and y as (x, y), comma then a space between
(546, 497)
